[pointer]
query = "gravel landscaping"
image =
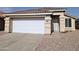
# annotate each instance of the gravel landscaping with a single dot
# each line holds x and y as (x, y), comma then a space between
(60, 42)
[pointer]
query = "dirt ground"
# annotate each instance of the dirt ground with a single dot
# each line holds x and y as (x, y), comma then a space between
(35, 42)
(60, 42)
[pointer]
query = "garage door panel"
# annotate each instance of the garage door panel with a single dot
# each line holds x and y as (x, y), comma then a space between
(28, 26)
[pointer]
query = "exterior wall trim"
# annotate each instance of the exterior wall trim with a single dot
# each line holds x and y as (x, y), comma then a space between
(29, 14)
(7, 24)
(48, 25)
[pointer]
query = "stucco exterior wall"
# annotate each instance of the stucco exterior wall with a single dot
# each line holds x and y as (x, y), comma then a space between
(73, 24)
(7, 24)
(61, 20)
(72, 28)
(48, 25)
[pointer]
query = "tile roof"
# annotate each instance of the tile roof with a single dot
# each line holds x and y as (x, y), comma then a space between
(37, 10)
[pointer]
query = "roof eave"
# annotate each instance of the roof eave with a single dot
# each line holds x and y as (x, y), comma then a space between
(71, 16)
(30, 14)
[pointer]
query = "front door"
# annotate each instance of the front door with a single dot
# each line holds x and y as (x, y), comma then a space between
(55, 24)
(56, 27)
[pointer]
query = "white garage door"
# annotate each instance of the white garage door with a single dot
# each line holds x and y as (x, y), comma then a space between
(28, 26)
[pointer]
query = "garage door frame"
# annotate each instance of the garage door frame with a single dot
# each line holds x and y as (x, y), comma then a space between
(11, 27)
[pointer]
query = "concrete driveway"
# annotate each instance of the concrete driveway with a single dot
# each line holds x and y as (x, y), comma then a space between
(19, 42)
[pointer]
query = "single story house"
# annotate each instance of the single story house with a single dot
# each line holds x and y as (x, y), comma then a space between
(39, 21)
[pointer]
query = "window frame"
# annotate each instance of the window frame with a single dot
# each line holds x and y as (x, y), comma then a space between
(68, 22)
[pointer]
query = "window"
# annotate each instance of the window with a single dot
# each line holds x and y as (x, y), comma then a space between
(67, 22)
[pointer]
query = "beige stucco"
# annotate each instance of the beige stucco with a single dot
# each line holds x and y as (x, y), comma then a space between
(72, 28)
(61, 20)
(47, 30)
(73, 24)
(62, 23)
(7, 24)
(47, 24)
